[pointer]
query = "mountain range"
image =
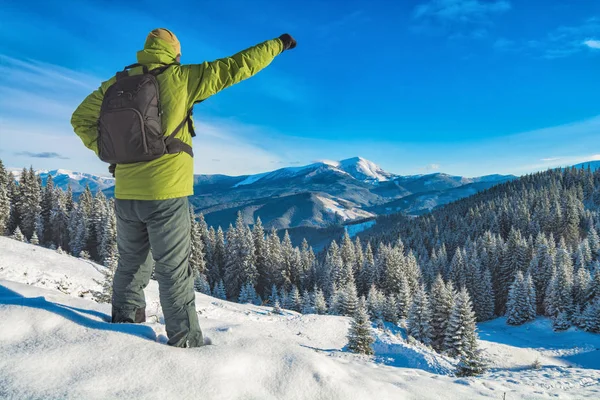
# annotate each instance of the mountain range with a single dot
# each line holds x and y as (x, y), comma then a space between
(317, 195)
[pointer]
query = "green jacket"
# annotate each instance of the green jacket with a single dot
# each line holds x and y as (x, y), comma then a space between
(181, 86)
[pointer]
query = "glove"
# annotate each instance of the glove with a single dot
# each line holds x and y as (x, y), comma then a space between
(288, 41)
(111, 169)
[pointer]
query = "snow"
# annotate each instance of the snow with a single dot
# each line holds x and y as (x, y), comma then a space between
(251, 179)
(56, 344)
(357, 167)
(363, 169)
(355, 229)
(346, 213)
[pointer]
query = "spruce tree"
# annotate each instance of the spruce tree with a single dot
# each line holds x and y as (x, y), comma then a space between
(367, 276)
(197, 246)
(403, 298)
(442, 303)
(201, 284)
(348, 300)
(18, 235)
(375, 303)
(320, 304)
(419, 317)
(5, 178)
(520, 307)
(307, 303)
(461, 334)
(390, 309)
(360, 339)
(295, 299)
(219, 291)
(78, 231)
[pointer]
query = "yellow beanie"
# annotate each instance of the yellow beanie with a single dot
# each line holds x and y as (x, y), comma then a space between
(167, 36)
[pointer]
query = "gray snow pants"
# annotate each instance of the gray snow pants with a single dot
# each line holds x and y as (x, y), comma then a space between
(163, 226)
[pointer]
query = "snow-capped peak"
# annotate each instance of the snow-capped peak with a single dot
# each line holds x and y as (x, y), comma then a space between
(364, 170)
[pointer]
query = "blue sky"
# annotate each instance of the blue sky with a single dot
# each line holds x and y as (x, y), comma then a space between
(467, 87)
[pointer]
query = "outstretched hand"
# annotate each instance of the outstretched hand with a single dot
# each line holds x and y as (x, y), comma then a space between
(288, 41)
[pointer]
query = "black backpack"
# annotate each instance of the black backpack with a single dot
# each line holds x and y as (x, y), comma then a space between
(130, 123)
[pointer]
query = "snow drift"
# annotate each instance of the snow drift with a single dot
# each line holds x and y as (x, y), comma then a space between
(55, 342)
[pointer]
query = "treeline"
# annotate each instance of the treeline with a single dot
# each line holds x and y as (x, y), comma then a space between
(49, 216)
(532, 243)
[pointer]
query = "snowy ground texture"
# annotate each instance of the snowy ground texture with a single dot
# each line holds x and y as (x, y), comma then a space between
(55, 343)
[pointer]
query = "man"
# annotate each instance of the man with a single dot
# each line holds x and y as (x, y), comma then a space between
(151, 197)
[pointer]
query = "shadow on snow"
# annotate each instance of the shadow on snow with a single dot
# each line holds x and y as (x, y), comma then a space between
(74, 314)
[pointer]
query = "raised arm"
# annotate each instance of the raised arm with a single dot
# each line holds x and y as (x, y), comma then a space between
(85, 119)
(209, 78)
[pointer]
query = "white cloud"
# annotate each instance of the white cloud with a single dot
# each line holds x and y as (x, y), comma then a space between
(460, 10)
(432, 167)
(551, 159)
(593, 44)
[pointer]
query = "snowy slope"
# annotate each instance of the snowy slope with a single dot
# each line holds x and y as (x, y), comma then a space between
(58, 345)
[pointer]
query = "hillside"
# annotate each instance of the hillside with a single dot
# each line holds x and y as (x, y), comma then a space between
(56, 343)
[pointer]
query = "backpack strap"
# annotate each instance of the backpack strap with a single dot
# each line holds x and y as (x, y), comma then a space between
(175, 145)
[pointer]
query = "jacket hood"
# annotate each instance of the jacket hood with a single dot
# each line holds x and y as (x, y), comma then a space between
(156, 51)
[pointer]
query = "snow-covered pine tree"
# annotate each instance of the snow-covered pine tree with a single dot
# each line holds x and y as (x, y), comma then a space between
(594, 240)
(295, 299)
(348, 254)
(273, 260)
(60, 221)
(367, 276)
(260, 254)
(97, 222)
(520, 307)
(15, 217)
(390, 309)
(320, 304)
(219, 290)
(442, 303)
(307, 303)
(591, 317)
(277, 308)
(307, 264)
(248, 294)
(375, 303)
(404, 298)
(461, 333)
(34, 239)
(581, 287)
(471, 362)
(274, 295)
(419, 317)
(240, 261)
(29, 201)
(78, 232)
(5, 178)
(531, 297)
(197, 246)
(290, 263)
(201, 284)
(18, 235)
(484, 307)
(360, 339)
(559, 295)
(217, 266)
(348, 303)
(333, 265)
(561, 322)
(395, 270)
(458, 273)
